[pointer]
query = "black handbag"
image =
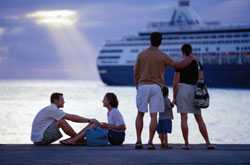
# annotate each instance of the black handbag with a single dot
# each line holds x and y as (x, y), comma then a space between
(201, 95)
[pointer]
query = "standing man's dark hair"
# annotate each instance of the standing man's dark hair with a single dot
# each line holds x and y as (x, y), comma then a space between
(186, 49)
(112, 99)
(155, 39)
(55, 96)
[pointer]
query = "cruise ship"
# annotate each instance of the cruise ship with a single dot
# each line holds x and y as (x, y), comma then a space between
(224, 50)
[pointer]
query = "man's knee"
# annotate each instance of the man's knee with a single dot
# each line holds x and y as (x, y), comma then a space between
(184, 117)
(153, 115)
(61, 123)
(140, 114)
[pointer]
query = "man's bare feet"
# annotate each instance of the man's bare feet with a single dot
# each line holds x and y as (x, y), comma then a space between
(210, 147)
(67, 142)
(186, 147)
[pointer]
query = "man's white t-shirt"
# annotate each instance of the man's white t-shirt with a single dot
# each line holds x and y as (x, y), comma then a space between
(115, 117)
(43, 120)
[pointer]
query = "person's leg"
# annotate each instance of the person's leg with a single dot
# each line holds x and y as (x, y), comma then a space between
(184, 127)
(78, 139)
(162, 138)
(202, 127)
(64, 125)
(152, 127)
(166, 139)
(139, 126)
(156, 105)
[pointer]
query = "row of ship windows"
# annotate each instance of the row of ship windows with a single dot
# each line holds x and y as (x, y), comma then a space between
(166, 50)
(175, 43)
(194, 37)
(203, 56)
(206, 49)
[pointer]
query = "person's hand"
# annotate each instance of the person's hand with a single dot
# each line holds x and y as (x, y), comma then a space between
(172, 105)
(105, 125)
(173, 102)
(93, 121)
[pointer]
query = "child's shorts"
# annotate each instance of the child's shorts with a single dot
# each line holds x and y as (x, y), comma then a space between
(164, 126)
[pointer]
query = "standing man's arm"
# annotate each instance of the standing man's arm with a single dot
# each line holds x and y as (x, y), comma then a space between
(176, 80)
(178, 65)
(137, 72)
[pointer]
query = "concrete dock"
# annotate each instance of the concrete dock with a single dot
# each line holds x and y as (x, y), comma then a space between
(26, 154)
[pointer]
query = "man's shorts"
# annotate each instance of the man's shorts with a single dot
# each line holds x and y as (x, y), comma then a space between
(149, 95)
(50, 135)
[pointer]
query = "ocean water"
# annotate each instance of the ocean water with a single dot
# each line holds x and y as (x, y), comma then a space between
(227, 119)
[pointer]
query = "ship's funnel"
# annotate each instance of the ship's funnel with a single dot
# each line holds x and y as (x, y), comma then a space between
(184, 3)
(184, 15)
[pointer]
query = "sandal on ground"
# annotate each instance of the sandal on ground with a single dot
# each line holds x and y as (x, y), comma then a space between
(210, 147)
(168, 147)
(68, 143)
(186, 147)
(138, 145)
(150, 146)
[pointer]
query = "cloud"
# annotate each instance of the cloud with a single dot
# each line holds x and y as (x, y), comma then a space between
(2, 31)
(3, 54)
(227, 11)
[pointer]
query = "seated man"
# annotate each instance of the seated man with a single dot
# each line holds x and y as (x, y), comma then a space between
(45, 126)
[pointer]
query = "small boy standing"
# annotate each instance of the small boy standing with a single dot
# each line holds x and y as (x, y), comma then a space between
(165, 120)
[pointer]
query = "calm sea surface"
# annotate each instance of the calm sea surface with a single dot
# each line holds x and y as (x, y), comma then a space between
(227, 119)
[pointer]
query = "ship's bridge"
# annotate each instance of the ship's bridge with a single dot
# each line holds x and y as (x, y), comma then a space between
(183, 16)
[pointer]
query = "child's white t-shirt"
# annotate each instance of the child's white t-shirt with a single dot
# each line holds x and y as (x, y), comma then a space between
(115, 117)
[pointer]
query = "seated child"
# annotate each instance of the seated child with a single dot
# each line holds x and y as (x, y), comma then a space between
(116, 125)
(165, 120)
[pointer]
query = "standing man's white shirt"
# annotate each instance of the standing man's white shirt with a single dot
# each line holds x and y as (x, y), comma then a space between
(43, 120)
(115, 117)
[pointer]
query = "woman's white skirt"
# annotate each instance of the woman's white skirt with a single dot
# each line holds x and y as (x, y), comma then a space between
(185, 99)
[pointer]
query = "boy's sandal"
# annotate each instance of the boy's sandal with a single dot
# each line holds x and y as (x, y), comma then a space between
(163, 146)
(168, 147)
(150, 146)
(138, 146)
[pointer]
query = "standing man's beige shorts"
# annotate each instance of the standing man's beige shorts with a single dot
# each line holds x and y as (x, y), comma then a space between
(149, 95)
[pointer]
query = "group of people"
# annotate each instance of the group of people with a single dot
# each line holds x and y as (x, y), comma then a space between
(152, 96)
(48, 122)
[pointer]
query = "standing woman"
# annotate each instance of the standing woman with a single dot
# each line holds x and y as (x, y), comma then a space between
(184, 87)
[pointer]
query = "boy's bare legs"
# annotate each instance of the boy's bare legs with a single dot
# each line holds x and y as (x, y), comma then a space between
(162, 138)
(67, 129)
(166, 142)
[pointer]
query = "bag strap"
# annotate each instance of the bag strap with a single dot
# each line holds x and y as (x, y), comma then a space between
(200, 71)
(200, 67)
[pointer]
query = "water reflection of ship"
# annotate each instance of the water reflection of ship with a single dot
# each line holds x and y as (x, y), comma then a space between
(223, 50)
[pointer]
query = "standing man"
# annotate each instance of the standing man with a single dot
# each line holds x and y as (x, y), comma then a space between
(45, 126)
(149, 72)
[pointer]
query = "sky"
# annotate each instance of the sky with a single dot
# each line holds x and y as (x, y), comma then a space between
(30, 49)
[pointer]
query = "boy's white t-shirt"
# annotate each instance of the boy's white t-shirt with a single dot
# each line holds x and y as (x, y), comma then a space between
(43, 120)
(115, 117)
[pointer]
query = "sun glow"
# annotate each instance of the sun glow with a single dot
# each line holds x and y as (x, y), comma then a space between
(54, 18)
(72, 46)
